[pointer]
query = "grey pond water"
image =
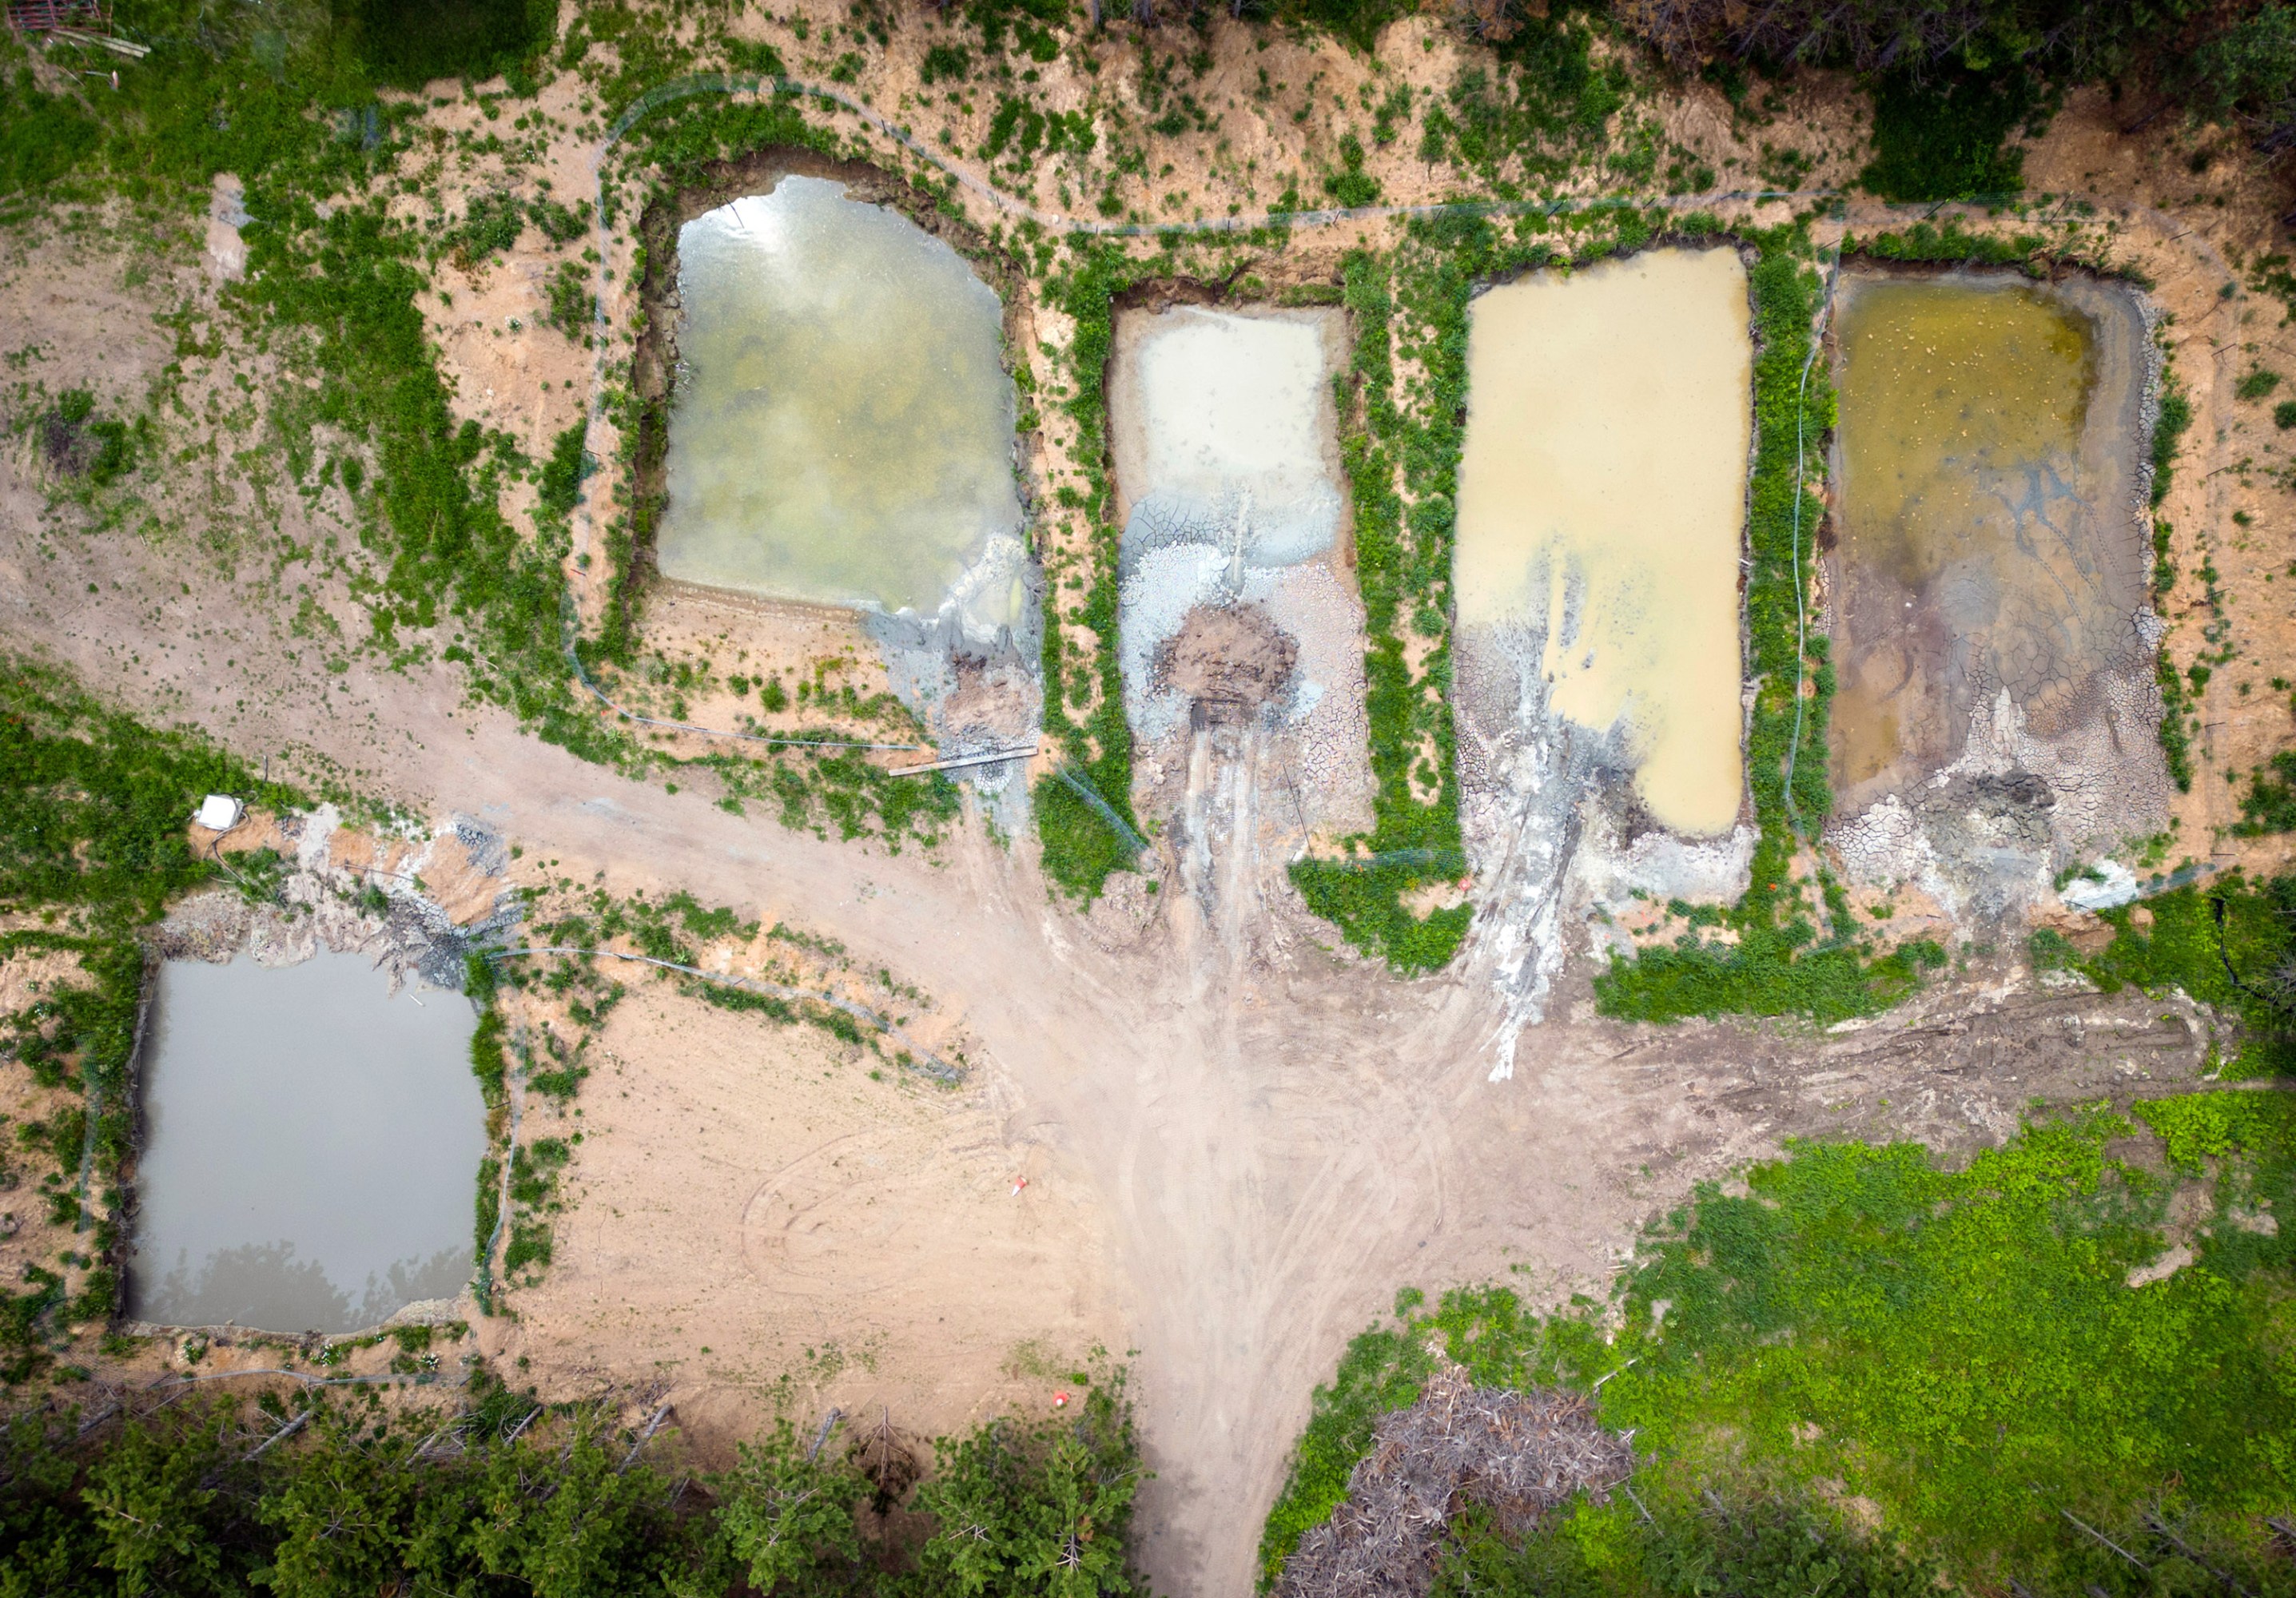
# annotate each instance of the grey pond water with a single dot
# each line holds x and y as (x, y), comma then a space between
(310, 1147)
(842, 432)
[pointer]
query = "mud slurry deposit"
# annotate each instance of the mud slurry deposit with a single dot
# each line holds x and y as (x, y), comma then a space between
(1601, 517)
(1998, 712)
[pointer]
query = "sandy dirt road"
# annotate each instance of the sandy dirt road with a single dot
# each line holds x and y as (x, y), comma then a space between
(1271, 1146)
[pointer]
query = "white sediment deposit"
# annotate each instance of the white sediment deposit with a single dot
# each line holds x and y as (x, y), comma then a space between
(1601, 498)
(1241, 630)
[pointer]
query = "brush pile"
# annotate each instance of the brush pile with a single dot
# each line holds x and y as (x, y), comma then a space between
(1517, 1455)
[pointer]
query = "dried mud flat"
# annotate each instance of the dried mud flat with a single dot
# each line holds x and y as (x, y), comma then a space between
(1236, 1149)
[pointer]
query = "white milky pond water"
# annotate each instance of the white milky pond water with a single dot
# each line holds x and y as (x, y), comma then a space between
(1601, 498)
(1224, 434)
(841, 428)
(1226, 452)
(311, 1147)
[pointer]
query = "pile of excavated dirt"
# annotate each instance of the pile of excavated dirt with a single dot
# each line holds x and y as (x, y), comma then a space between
(1229, 660)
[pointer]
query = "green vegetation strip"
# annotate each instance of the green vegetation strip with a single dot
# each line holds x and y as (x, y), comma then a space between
(1772, 960)
(1084, 814)
(2230, 944)
(1962, 1350)
(322, 1493)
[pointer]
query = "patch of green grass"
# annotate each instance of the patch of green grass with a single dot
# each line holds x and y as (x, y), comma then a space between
(1927, 240)
(42, 136)
(2256, 383)
(2168, 426)
(1960, 1347)
(2221, 944)
(2269, 805)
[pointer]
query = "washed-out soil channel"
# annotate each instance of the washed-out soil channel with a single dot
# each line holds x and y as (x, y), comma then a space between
(1996, 710)
(310, 1145)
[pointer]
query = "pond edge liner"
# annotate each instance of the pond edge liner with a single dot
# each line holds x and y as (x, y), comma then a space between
(926, 1061)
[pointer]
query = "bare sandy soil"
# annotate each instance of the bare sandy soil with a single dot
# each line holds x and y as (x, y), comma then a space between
(1237, 1143)
(1233, 1162)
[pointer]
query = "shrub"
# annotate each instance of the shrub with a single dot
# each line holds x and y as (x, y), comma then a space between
(2168, 432)
(1939, 135)
(409, 43)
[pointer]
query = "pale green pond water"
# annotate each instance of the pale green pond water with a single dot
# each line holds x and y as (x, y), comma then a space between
(841, 428)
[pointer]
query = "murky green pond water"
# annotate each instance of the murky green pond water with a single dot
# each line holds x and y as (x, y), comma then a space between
(1985, 453)
(841, 430)
(311, 1147)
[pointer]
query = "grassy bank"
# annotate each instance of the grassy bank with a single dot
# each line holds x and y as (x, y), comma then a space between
(1773, 960)
(1083, 679)
(94, 807)
(1960, 1350)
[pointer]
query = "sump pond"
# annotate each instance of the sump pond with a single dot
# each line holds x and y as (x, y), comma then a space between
(1602, 491)
(311, 1146)
(841, 428)
(1991, 561)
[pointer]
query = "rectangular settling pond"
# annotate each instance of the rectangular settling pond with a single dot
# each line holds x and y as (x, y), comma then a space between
(1991, 547)
(841, 427)
(1601, 495)
(311, 1147)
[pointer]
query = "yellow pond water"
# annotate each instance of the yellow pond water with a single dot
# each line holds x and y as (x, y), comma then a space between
(841, 430)
(1601, 495)
(1972, 554)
